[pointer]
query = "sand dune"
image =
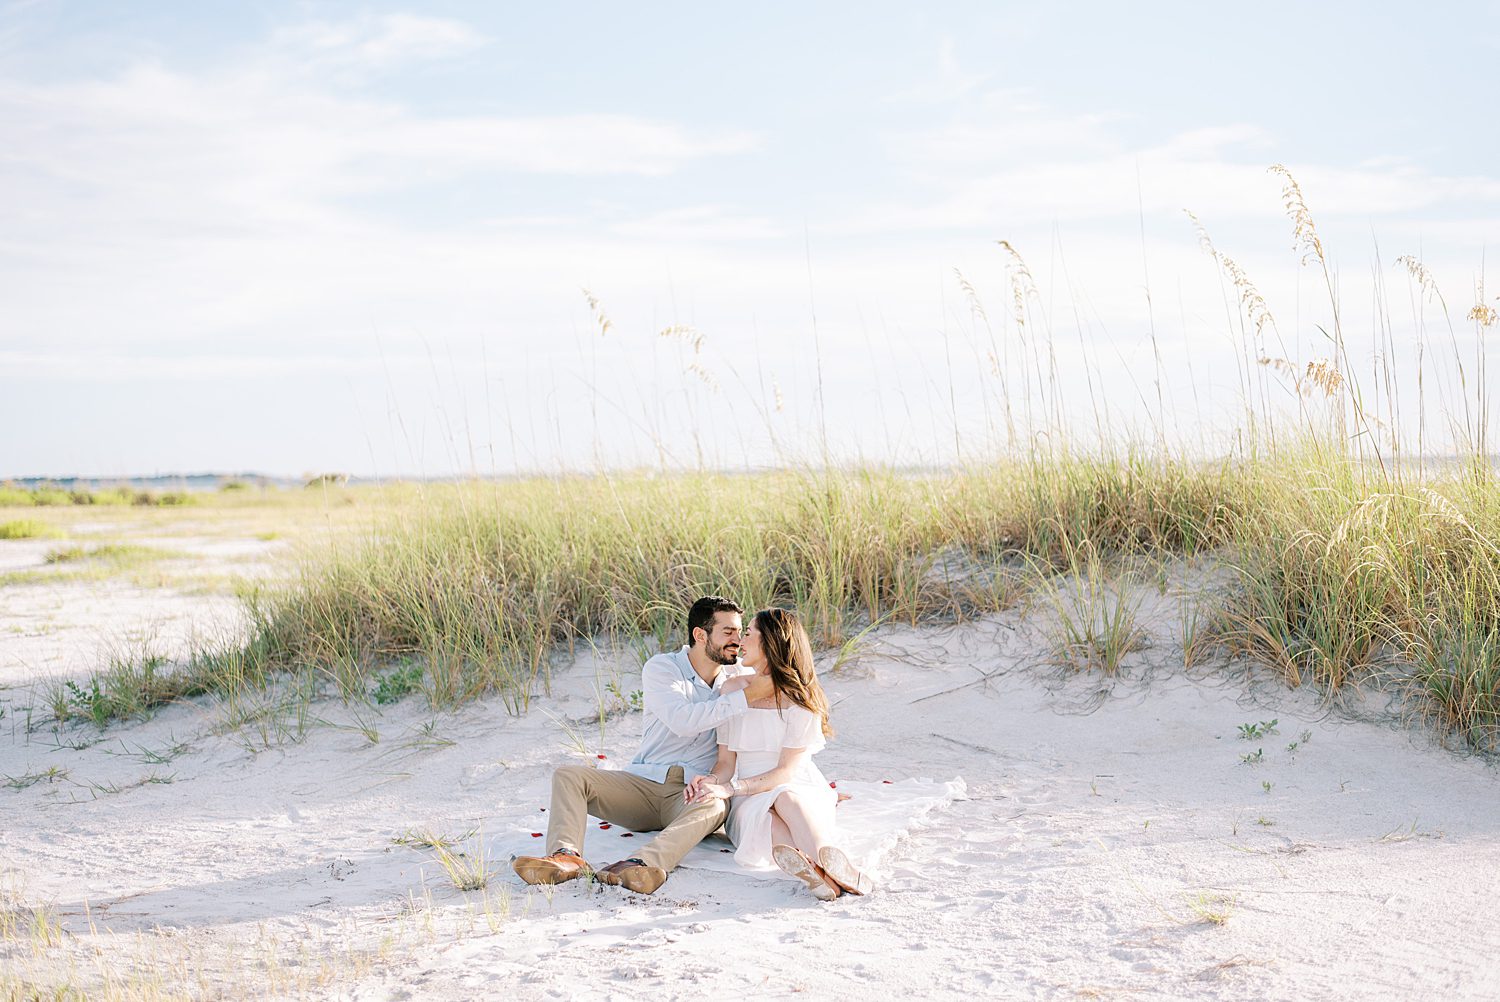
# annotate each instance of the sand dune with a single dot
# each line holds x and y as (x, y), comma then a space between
(1118, 838)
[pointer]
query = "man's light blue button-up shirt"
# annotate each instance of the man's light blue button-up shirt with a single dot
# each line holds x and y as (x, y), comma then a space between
(681, 714)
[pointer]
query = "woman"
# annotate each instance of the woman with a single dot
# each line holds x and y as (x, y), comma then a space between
(782, 809)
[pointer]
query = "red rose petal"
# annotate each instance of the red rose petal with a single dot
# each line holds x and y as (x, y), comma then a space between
(598, 756)
(627, 834)
(886, 782)
(536, 834)
(833, 786)
(726, 850)
(605, 826)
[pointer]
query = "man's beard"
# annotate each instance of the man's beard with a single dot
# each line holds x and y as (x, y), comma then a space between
(721, 654)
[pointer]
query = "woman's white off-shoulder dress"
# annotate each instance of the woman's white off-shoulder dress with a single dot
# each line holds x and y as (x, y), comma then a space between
(757, 738)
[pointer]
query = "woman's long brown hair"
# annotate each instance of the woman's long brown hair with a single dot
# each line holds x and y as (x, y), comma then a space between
(789, 658)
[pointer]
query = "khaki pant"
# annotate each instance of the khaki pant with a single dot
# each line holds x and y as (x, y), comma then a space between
(628, 800)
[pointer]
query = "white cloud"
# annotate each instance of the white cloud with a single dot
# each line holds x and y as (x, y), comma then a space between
(162, 205)
(1004, 161)
(247, 134)
(108, 367)
(699, 223)
(377, 41)
(950, 82)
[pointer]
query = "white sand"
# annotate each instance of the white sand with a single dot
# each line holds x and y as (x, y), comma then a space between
(48, 635)
(60, 628)
(1107, 823)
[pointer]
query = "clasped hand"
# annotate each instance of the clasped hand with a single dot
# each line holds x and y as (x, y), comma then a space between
(704, 788)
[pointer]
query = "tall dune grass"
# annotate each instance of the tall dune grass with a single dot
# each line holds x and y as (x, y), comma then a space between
(1344, 579)
(484, 582)
(1340, 575)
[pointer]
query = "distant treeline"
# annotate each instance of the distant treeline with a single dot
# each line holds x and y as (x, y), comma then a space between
(175, 489)
(15, 495)
(157, 482)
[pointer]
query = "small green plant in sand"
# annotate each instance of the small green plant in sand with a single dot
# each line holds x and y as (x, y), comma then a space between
(1254, 758)
(398, 683)
(425, 737)
(468, 871)
(90, 702)
(1412, 831)
(51, 774)
(1212, 907)
(425, 838)
(630, 702)
(163, 755)
(1251, 731)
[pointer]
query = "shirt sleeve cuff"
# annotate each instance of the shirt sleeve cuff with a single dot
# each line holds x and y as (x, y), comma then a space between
(737, 700)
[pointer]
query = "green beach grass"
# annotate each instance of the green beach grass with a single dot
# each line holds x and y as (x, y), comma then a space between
(28, 528)
(1340, 575)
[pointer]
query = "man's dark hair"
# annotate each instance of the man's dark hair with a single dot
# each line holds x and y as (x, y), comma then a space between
(701, 615)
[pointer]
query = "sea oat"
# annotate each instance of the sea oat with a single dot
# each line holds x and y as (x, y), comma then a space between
(1251, 301)
(599, 317)
(1418, 271)
(1320, 374)
(974, 304)
(1022, 285)
(1360, 513)
(1324, 375)
(1304, 233)
(1203, 240)
(1286, 368)
(685, 333)
(703, 374)
(1442, 506)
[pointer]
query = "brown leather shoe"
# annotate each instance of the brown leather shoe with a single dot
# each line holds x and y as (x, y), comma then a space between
(550, 869)
(633, 874)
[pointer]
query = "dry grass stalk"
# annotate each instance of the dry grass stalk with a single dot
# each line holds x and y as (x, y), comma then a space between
(600, 319)
(685, 333)
(1304, 233)
(1251, 301)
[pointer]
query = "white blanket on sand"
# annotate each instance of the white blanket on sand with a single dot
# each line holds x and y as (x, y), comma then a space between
(871, 821)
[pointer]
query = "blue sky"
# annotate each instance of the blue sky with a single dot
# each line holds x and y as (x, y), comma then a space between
(296, 237)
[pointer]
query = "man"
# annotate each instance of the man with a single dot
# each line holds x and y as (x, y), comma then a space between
(686, 696)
